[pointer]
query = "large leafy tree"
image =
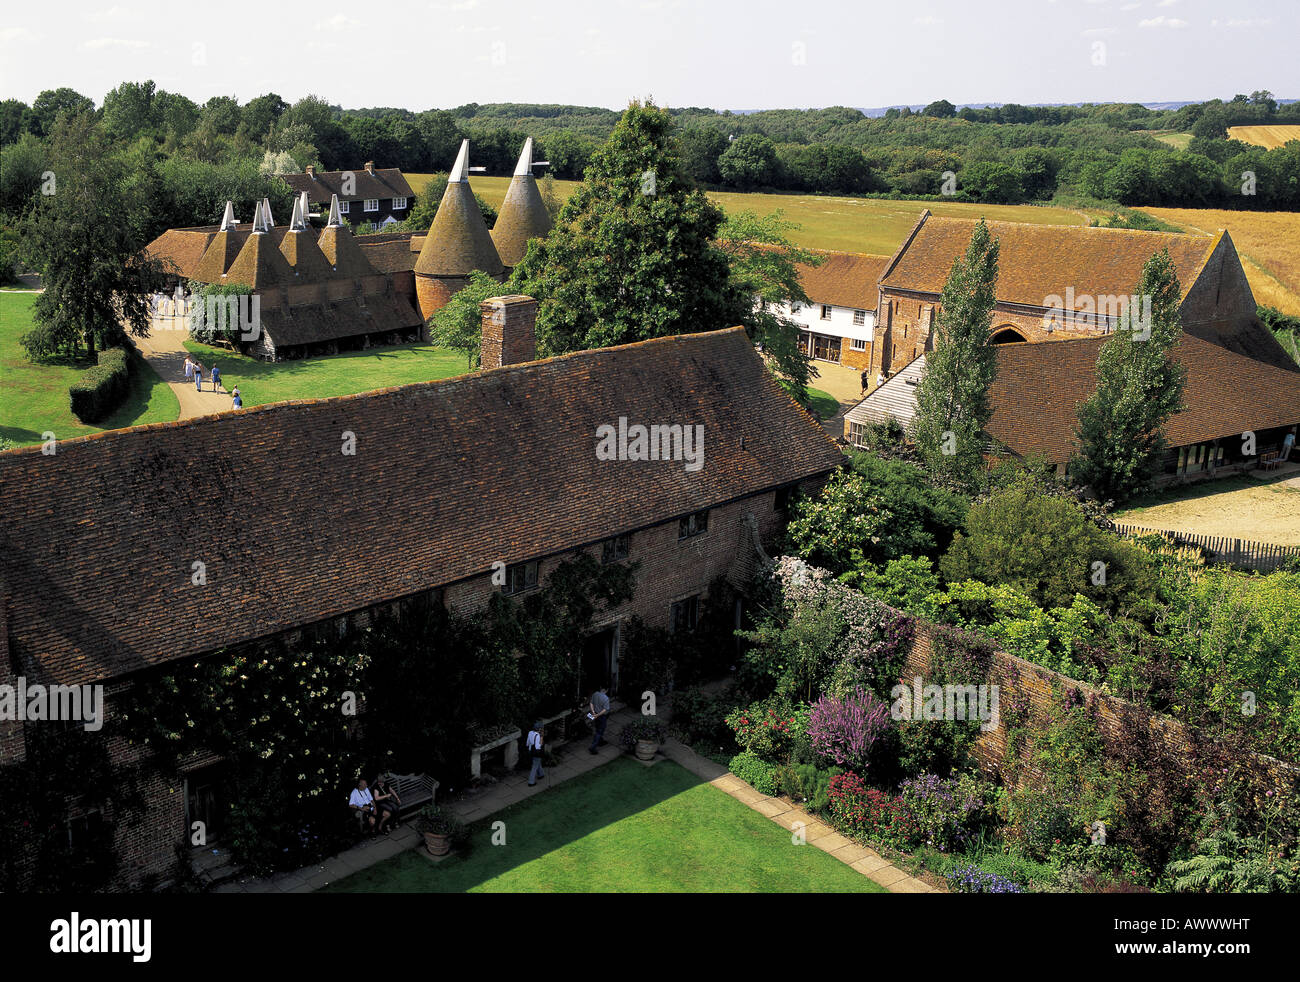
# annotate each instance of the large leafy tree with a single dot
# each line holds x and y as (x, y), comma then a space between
(953, 396)
(1120, 436)
(632, 256)
(763, 266)
(86, 238)
(459, 324)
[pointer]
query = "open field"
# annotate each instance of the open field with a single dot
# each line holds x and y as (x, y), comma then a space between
(34, 398)
(1241, 507)
(261, 382)
(871, 225)
(623, 828)
(1268, 137)
(1269, 243)
(1173, 138)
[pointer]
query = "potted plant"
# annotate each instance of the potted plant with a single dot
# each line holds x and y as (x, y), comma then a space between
(441, 829)
(643, 736)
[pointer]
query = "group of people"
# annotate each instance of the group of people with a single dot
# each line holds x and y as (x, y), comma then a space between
(194, 371)
(376, 811)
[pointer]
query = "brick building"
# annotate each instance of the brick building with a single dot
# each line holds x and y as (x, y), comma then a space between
(367, 197)
(838, 324)
(447, 479)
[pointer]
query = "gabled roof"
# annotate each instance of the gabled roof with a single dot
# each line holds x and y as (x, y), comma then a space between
(299, 248)
(181, 249)
(99, 542)
(260, 264)
(1038, 261)
(844, 279)
(386, 182)
(523, 215)
(1038, 389)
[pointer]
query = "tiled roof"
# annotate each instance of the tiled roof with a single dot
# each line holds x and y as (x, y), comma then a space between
(523, 216)
(260, 263)
(388, 253)
(340, 247)
(1038, 388)
(181, 249)
(299, 248)
(1037, 261)
(223, 248)
(844, 279)
(375, 313)
(99, 540)
(896, 399)
(458, 241)
(386, 182)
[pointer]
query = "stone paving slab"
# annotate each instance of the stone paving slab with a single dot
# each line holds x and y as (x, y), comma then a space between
(771, 807)
(831, 842)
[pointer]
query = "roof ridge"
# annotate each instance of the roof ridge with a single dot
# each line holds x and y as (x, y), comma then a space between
(408, 386)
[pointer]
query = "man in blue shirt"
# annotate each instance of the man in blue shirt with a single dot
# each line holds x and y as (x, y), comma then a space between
(599, 717)
(216, 377)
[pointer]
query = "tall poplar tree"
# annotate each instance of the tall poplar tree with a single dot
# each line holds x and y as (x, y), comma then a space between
(1120, 436)
(952, 399)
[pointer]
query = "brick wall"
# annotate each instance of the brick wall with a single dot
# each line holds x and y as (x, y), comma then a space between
(1042, 688)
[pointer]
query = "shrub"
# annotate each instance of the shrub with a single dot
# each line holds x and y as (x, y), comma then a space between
(869, 813)
(766, 729)
(1018, 868)
(807, 783)
(642, 728)
(951, 812)
(700, 716)
(969, 878)
(101, 389)
(754, 771)
(844, 730)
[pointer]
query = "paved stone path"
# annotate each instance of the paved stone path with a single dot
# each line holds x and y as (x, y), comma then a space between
(164, 350)
(573, 761)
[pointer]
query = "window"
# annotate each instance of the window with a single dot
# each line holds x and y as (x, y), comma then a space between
(691, 525)
(612, 550)
(857, 344)
(521, 577)
(826, 312)
(399, 204)
(372, 204)
(859, 318)
(857, 434)
(343, 207)
(784, 496)
(685, 614)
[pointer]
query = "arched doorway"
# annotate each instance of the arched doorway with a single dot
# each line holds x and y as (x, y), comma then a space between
(1007, 335)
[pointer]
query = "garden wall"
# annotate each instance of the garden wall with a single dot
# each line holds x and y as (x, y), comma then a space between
(1041, 688)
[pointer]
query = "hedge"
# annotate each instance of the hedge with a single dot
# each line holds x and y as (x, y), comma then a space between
(101, 389)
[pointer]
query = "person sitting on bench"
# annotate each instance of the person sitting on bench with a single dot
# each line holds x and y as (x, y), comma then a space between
(387, 802)
(363, 804)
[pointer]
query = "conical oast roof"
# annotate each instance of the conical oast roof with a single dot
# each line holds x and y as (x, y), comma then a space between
(300, 250)
(219, 255)
(260, 264)
(523, 216)
(458, 241)
(340, 249)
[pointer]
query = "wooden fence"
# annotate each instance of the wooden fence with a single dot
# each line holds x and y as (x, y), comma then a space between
(1263, 556)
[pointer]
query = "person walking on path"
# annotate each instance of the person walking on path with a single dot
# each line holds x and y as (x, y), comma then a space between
(198, 376)
(1288, 443)
(866, 379)
(239, 403)
(599, 716)
(216, 378)
(189, 369)
(534, 746)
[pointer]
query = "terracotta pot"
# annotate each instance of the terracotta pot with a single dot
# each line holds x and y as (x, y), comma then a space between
(646, 749)
(438, 845)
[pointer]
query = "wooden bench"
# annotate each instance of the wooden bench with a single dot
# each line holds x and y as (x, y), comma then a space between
(414, 790)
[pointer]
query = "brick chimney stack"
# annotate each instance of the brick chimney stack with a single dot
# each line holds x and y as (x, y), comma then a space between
(509, 336)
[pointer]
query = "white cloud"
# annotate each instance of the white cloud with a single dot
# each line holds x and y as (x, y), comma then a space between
(114, 12)
(9, 34)
(1243, 22)
(1162, 21)
(99, 44)
(929, 20)
(339, 22)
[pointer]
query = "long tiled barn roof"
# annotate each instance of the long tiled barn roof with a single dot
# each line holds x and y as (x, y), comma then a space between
(844, 279)
(99, 540)
(1037, 261)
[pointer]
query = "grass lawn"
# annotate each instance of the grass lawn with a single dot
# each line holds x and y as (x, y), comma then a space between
(623, 828)
(870, 225)
(823, 404)
(34, 398)
(1241, 507)
(261, 382)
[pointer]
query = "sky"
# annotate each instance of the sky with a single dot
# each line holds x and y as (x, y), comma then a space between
(722, 54)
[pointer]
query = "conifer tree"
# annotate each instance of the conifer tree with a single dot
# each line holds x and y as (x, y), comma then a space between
(1120, 436)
